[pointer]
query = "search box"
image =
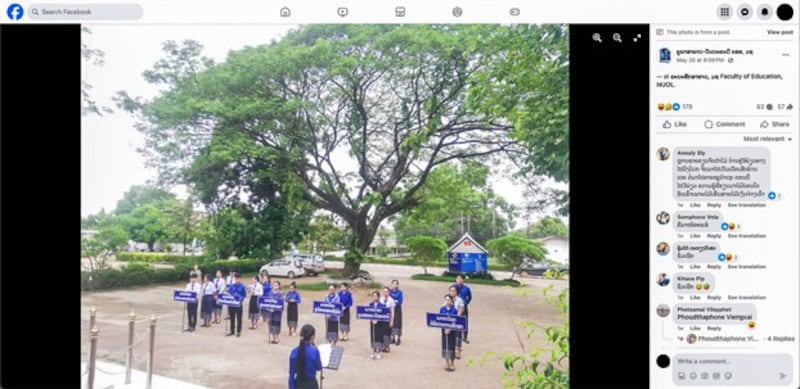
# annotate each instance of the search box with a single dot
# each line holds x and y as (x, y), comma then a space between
(82, 11)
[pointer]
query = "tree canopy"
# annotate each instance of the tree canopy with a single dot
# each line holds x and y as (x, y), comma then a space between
(270, 126)
(513, 250)
(454, 200)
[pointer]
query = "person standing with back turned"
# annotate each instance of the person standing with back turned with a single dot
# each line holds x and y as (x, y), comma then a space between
(466, 296)
(237, 289)
(305, 361)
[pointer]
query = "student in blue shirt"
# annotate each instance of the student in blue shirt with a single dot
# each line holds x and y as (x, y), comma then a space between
(236, 289)
(448, 336)
(397, 295)
(266, 287)
(292, 299)
(376, 333)
(466, 296)
(275, 316)
(304, 361)
(332, 322)
(346, 299)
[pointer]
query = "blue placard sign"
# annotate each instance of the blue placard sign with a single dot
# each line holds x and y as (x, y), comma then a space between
(185, 296)
(229, 300)
(270, 304)
(369, 313)
(330, 309)
(448, 322)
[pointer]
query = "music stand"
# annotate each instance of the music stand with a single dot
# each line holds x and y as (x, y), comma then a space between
(331, 358)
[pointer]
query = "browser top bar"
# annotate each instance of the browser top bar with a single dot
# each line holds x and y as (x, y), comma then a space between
(406, 11)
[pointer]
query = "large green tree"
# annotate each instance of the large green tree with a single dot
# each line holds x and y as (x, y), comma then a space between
(426, 250)
(392, 99)
(530, 87)
(512, 250)
(457, 199)
(140, 195)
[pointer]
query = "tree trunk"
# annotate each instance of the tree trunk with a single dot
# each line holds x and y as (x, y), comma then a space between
(362, 237)
(150, 246)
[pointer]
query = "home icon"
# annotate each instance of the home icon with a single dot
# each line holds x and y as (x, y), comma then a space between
(286, 12)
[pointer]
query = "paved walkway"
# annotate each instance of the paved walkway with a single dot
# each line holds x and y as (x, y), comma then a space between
(112, 376)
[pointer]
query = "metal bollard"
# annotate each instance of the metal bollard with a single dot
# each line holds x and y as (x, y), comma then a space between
(150, 355)
(129, 360)
(92, 314)
(92, 356)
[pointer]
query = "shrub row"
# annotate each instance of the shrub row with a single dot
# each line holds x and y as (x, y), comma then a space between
(141, 273)
(156, 257)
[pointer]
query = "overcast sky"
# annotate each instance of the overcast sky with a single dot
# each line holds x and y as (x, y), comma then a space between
(110, 163)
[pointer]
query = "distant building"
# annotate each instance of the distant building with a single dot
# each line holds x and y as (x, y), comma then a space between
(395, 249)
(557, 248)
(88, 233)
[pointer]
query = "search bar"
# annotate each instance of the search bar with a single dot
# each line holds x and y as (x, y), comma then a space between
(83, 11)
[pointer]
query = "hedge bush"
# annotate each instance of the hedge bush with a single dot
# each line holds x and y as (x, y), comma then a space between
(141, 273)
(155, 257)
(475, 276)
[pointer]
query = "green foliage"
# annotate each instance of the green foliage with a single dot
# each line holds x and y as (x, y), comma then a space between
(468, 276)
(154, 257)
(450, 192)
(397, 99)
(512, 250)
(137, 273)
(547, 226)
(553, 274)
(530, 87)
(478, 281)
(101, 246)
(140, 195)
(543, 367)
(323, 234)
(426, 250)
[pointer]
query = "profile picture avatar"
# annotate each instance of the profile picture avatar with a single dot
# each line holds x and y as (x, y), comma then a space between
(662, 279)
(662, 218)
(662, 248)
(663, 153)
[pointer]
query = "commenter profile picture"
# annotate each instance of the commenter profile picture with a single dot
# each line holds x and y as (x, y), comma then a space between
(662, 248)
(662, 310)
(691, 339)
(662, 217)
(662, 279)
(663, 153)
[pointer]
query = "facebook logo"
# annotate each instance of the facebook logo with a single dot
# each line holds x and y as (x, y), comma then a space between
(15, 11)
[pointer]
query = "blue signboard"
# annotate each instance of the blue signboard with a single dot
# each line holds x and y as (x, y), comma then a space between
(185, 296)
(369, 313)
(229, 300)
(467, 262)
(448, 322)
(330, 309)
(270, 304)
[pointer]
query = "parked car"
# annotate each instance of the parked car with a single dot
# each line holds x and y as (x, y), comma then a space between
(313, 264)
(539, 268)
(284, 267)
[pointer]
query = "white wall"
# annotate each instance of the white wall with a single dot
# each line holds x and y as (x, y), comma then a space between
(557, 250)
